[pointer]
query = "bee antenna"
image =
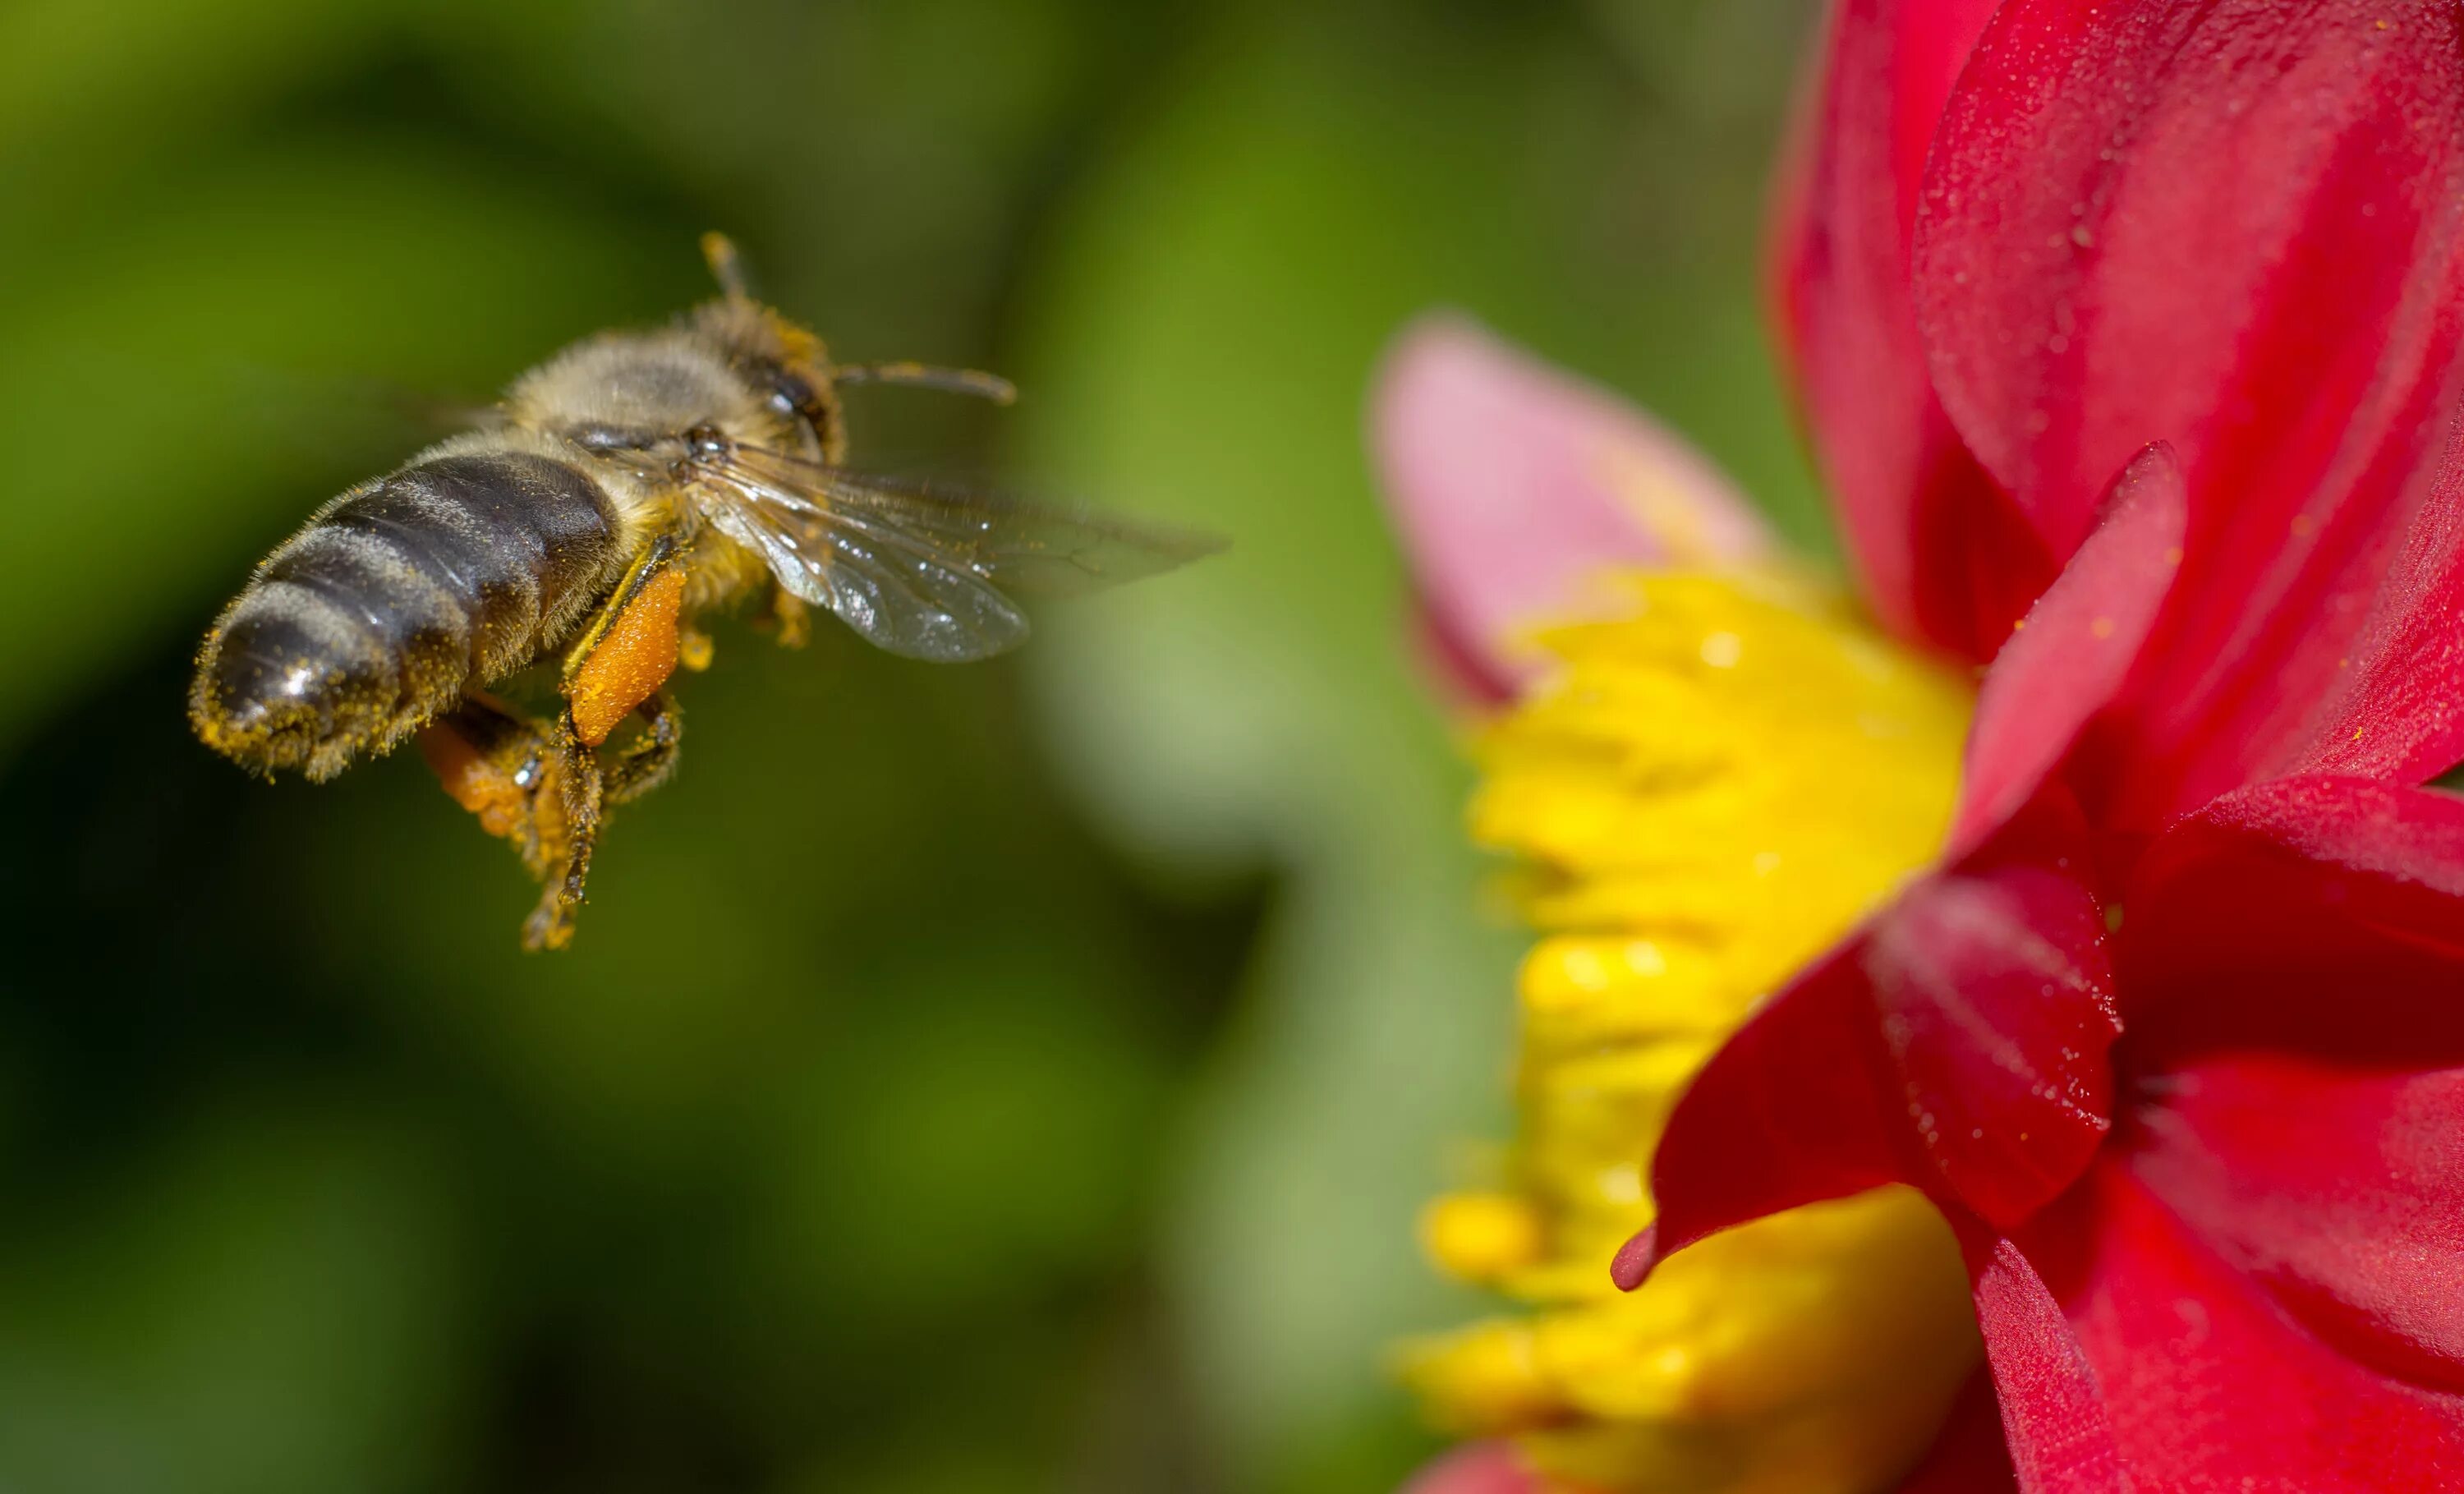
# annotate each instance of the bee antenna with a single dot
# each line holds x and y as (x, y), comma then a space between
(924, 376)
(726, 266)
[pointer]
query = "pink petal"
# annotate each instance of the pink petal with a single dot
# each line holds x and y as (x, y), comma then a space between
(1943, 556)
(1480, 1468)
(1464, 668)
(2237, 227)
(1513, 487)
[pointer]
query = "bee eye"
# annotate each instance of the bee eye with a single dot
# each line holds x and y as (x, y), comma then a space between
(790, 393)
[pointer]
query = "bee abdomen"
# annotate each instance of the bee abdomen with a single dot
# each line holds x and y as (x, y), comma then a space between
(400, 593)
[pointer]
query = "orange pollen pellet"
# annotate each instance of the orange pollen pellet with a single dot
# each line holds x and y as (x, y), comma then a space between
(632, 660)
(478, 784)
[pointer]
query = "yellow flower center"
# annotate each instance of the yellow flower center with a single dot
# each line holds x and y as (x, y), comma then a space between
(1708, 793)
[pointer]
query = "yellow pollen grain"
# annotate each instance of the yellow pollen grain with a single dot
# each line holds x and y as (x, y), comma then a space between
(2100, 628)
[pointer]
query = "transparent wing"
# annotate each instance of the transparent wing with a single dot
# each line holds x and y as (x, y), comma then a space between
(1025, 548)
(894, 590)
(919, 570)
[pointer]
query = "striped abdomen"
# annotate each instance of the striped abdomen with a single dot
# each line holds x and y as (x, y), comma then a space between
(371, 620)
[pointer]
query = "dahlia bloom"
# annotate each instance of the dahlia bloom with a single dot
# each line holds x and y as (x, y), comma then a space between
(1670, 783)
(2128, 337)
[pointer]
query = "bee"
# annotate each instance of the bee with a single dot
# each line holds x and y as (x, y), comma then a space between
(620, 492)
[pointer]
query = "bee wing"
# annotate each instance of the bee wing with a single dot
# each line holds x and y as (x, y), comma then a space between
(920, 569)
(1023, 547)
(896, 591)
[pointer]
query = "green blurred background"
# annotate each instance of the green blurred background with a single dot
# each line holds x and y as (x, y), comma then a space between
(1011, 1077)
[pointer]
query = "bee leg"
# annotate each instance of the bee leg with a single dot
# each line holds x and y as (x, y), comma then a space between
(693, 648)
(581, 797)
(790, 616)
(621, 659)
(495, 765)
(647, 763)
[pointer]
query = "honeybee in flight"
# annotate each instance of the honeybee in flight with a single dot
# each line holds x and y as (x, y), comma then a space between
(623, 489)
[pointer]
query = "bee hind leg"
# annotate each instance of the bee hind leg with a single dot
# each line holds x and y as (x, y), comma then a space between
(584, 790)
(580, 787)
(650, 760)
(534, 784)
(497, 766)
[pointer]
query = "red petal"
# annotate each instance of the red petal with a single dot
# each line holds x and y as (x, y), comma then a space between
(2323, 914)
(2237, 227)
(2206, 1381)
(1942, 555)
(2343, 1192)
(2396, 709)
(1789, 1111)
(2052, 1414)
(1969, 1457)
(2265, 1273)
(2074, 648)
(1996, 997)
(1959, 1040)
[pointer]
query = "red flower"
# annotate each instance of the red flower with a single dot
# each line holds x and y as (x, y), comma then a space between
(2175, 1034)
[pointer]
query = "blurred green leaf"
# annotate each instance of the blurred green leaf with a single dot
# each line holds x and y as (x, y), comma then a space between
(268, 1309)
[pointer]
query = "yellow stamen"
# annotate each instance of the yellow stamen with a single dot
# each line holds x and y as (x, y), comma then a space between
(1482, 1237)
(1711, 790)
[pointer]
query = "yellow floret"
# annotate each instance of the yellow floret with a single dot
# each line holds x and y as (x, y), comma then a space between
(1708, 793)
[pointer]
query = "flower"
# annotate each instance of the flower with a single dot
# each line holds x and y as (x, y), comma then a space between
(2172, 1033)
(1673, 784)
(2129, 334)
